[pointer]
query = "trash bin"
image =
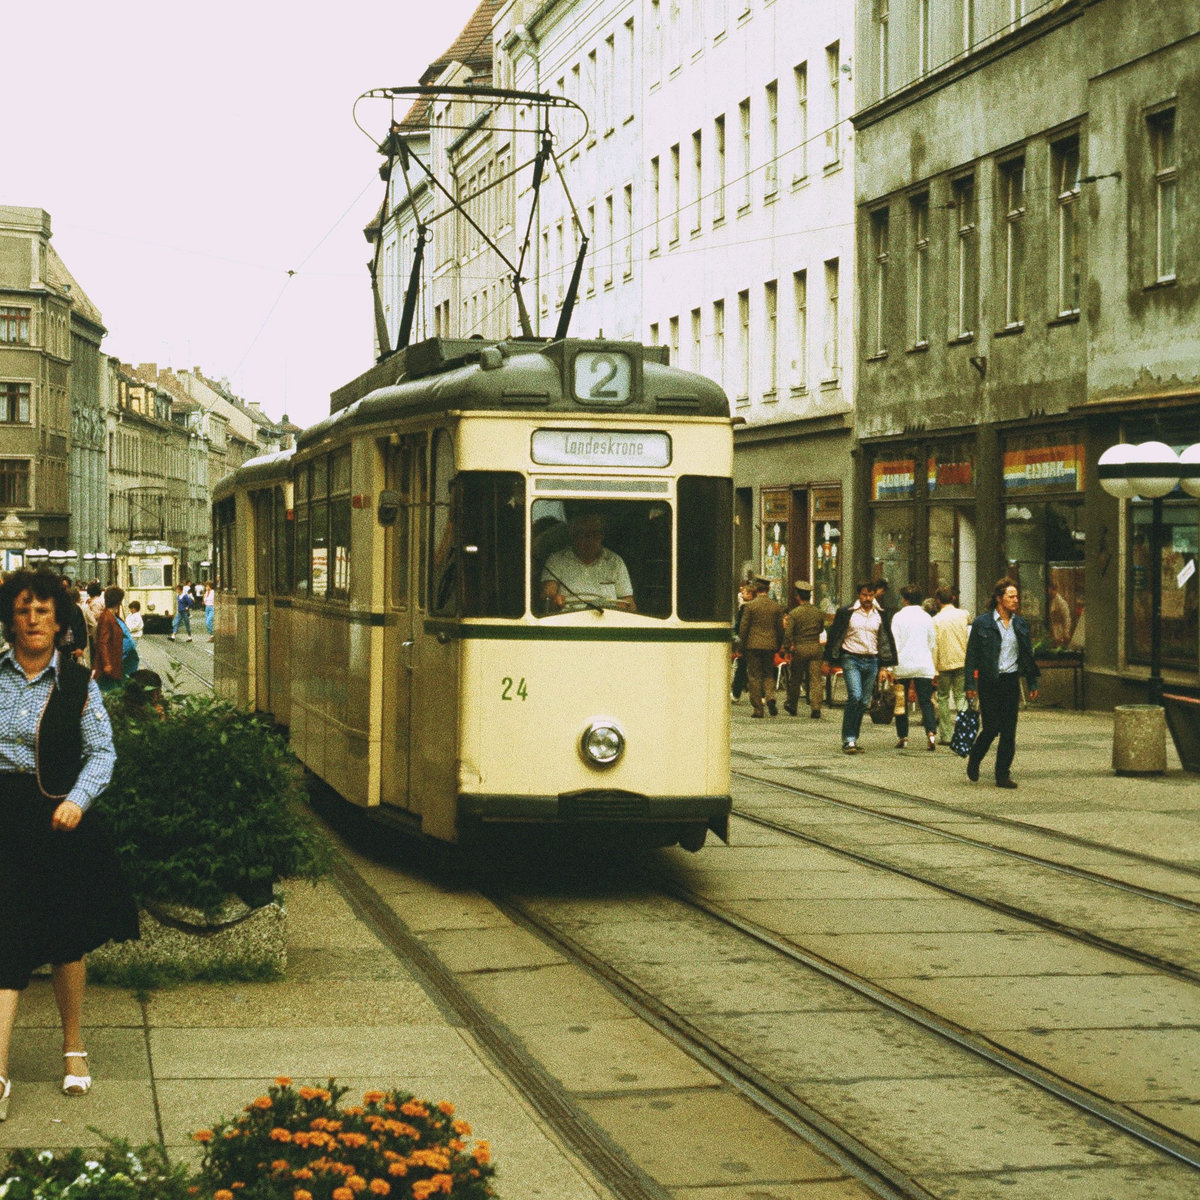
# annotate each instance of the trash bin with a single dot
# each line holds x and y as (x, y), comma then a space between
(1139, 739)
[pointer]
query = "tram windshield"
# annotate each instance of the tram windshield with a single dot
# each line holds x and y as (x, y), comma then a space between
(649, 556)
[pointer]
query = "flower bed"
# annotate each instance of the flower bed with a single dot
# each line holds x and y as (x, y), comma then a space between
(294, 1143)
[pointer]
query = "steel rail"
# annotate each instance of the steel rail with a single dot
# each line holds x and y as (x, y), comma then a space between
(1133, 856)
(811, 1126)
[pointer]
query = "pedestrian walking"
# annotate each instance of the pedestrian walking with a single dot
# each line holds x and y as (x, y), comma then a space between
(183, 612)
(999, 653)
(860, 642)
(761, 634)
(62, 893)
(916, 644)
(739, 685)
(116, 651)
(951, 625)
(210, 600)
(802, 630)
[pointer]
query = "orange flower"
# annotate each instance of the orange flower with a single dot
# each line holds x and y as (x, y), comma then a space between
(381, 1187)
(283, 1080)
(263, 1102)
(301, 1194)
(446, 1108)
(422, 1189)
(308, 1093)
(443, 1183)
(302, 1173)
(203, 1135)
(222, 1194)
(280, 1164)
(353, 1140)
(414, 1108)
(373, 1097)
(356, 1183)
(278, 1134)
(398, 1168)
(342, 1193)
(482, 1152)
(461, 1128)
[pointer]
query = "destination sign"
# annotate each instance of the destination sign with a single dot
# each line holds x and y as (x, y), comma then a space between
(601, 448)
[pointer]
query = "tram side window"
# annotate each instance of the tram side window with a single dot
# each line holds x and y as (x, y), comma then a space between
(302, 559)
(489, 511)
(339, 525)
(443, 562)
(283, 545)
(610, 554)
(224, 540)
(705, 547)
(318, 529)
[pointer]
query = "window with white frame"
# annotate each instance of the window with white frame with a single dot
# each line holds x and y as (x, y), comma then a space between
(921, 269)
(591, 258)
(629, 56)
(833, 355)
(924, 37)
(560, 260)
(697, 178)
(799, 330)
(966, 256)
(744, 158)
(800, 155)
(610, 239)
(833, 71)
(654, 334)
(673, 220)
(544, 272)
(14, 324)
(771, 172)
(612, 86)
(1012, 191)
(877, 293)
(718, 189)
(697, 363)
(743, 384)
(770, 337)
(673, 340)
(590, 88)
(656, 41)
(14, 403)
(718, 339)
(655, 203)
(1064, 160)
(627, 241)
(1162, 143)
(881, 46)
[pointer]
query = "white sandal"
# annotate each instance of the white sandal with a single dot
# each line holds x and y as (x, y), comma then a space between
(76, 1085)
(4, 1095)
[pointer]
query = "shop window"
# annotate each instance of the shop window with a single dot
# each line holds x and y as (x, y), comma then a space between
(1179, 548)
(892, 553)
(776, 509)
(1044, 551)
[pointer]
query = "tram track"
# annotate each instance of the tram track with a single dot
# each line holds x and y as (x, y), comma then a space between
(880, 1162)
(840, 840)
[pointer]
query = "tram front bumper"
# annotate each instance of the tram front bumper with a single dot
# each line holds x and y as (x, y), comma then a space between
(603, 806)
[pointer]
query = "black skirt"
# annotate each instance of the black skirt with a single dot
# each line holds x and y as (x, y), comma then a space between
(61, 893)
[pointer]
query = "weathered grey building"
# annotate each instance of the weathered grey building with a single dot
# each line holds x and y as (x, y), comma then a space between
(1029, 288)
(51, 395)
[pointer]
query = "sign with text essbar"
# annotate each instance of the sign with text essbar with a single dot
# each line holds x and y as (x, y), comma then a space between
(600, 448)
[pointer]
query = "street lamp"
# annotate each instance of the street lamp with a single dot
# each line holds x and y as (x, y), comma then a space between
(1151, 470)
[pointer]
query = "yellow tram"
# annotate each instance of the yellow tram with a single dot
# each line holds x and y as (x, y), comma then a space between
(492, 588)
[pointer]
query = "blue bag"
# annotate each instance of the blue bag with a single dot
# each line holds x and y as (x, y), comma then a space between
(966, 729)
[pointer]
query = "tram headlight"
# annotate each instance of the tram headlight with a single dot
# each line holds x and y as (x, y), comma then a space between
(602, 743)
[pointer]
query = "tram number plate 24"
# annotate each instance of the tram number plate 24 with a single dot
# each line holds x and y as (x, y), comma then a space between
(511, 689)
(602, 377)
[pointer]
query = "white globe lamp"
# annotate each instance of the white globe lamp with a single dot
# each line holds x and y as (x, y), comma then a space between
(1154, 470)
(1189, 470)
(1113, 471)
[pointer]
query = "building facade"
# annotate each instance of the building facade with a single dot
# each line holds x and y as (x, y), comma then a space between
(1027, 296)
(51, 395)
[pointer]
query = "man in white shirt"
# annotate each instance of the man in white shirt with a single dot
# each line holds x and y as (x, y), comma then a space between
(586, 571)
(951, 625)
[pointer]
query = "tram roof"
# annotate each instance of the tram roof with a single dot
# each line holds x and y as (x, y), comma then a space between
(513, 375)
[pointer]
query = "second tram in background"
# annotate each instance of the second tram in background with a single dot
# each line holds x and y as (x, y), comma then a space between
(493, 589)
(149, 573)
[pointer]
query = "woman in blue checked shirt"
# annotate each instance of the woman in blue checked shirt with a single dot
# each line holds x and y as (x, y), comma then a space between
(61, 889)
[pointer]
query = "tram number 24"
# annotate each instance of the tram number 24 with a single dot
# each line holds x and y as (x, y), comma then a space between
(511, 689)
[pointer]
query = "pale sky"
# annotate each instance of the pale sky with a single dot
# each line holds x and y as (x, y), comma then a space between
(190, 157)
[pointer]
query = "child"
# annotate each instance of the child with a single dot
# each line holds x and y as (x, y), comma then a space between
(134, 621)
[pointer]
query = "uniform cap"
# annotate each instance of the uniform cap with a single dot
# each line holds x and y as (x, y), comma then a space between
(803, 585)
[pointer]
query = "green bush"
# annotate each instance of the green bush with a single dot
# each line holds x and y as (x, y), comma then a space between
(204, 802)
(115, 1172)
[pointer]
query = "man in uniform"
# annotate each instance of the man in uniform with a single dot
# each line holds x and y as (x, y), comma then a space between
(802, 629)
(761, 633)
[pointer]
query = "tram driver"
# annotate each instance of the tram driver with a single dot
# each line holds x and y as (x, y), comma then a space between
(586, 570)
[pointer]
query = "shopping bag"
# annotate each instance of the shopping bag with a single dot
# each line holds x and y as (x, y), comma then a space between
(966, 727)
(883, 702)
